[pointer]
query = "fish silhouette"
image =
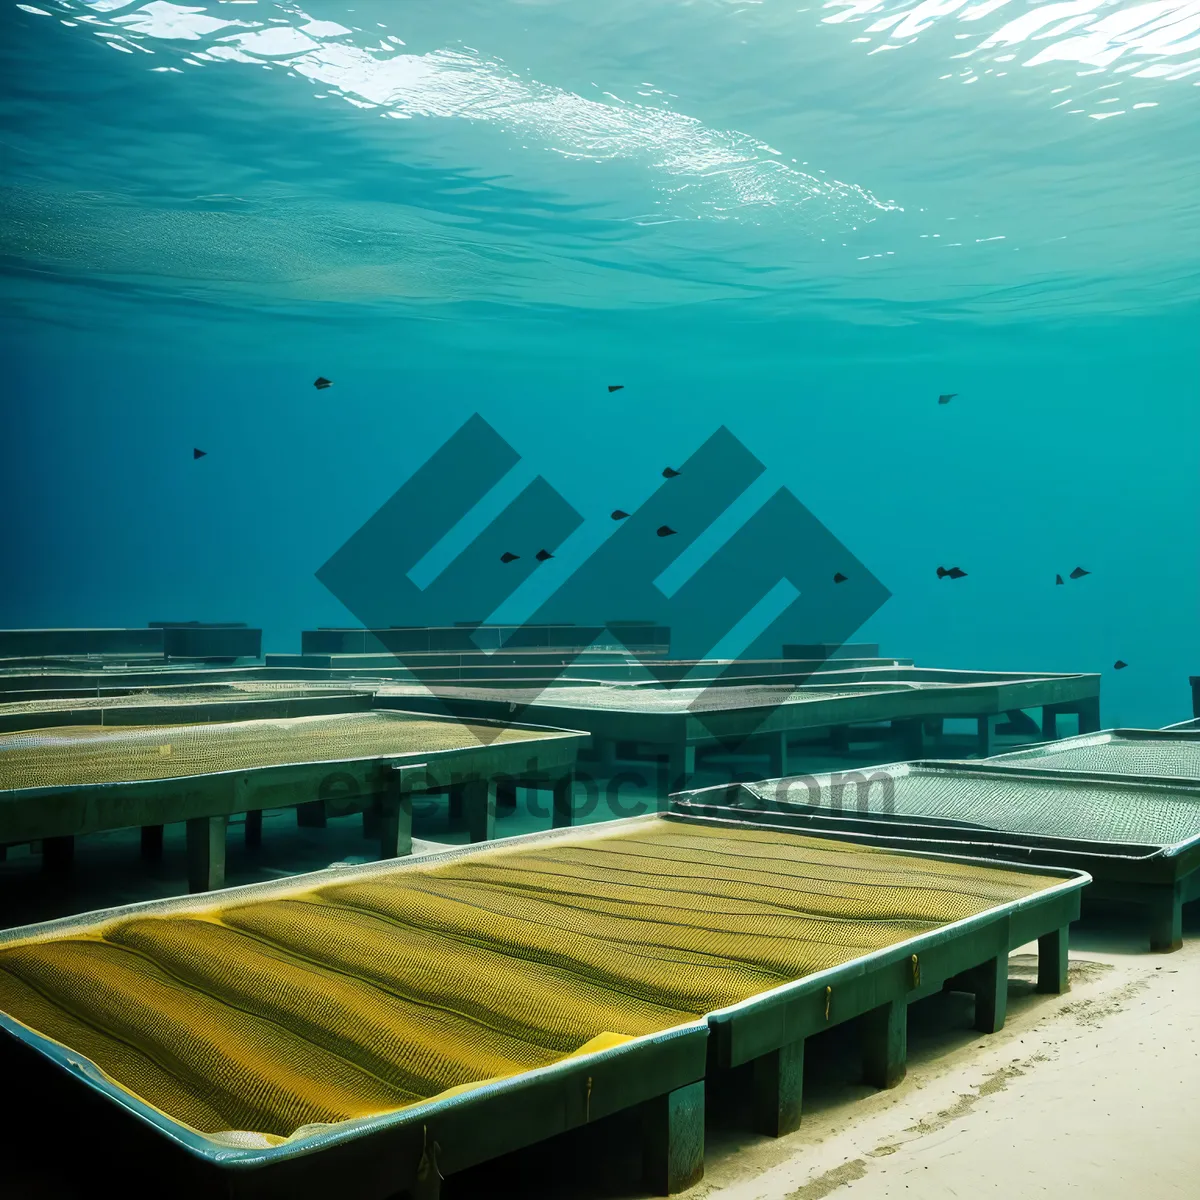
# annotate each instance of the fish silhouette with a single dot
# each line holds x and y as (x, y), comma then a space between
(1079, 573)
(198, 454)
(1119, 665)
(669, 473)
(542, 555)
(321, 383)
(616, 387)
(619, 514)
(665, 531)
(1058, 580)
(956, 573)
(838, 577)
(947, 398)
(508, 557)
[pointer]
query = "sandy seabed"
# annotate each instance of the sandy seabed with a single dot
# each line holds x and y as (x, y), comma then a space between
(1090, 1094)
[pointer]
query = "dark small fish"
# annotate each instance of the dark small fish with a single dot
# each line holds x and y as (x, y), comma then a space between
(198, 454)
(542, 555)
(947, 398)
(942, 572)
(670, 473)
(616, 387)
(508, 557)
(838, 577)
(956, 573)
(619, 514)
(1079, 573)
(1058, 580)
(322, 383)
(1119, 665)
(665, 531)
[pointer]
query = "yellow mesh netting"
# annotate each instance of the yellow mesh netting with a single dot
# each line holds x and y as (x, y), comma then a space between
(80, 754)
(380, 990)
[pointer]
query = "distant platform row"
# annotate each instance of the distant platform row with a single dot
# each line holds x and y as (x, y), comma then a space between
(228, 641)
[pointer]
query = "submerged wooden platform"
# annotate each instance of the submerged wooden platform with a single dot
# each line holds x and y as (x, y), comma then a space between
(674, 723)
(1150, 753)
(66, 681)
(66, 783)
(28, 643)
(641, 637)
(163, 639)
(178, 705)
(271, 1090)
(595, 666)
(1137, 835)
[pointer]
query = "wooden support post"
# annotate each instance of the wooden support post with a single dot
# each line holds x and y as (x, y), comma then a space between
(1166, 919)
(479, 805)
(152, 842)
(987, 733)
(455, 802)
(673, 1140)
(206, 853)
(839, 739)
(777, 751)
(312, 815)
(370, 822)
(606, 754)
(393, 817)
(911, 735)
(779, 1089)
(428, 1183)
(506, 797)
(253, 830)
(1049, 723)
(1052, 962)
(676, 770)
(934, 728)
(991, 994)
(564, 801)
(1089, 715)
(1021, 723)
(58, 853)
(885, 1044)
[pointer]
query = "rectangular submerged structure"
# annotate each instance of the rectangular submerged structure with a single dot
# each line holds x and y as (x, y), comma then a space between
(55, 643)
(63, 682)
(676, 722)
(58, 784)
(1151, 753)
(366, 1030)
(468, 636)
(1137, 836)
(608, 666)
(195, 703)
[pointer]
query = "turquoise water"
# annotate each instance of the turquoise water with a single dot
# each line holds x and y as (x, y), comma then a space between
(801, 222)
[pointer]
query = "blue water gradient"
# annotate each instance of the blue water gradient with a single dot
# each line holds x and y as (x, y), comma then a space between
(800, 222)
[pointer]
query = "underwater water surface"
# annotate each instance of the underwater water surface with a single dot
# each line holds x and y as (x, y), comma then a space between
(801, 222)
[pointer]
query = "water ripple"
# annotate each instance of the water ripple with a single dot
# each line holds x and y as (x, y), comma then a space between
(643, 153)
(708, 172)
